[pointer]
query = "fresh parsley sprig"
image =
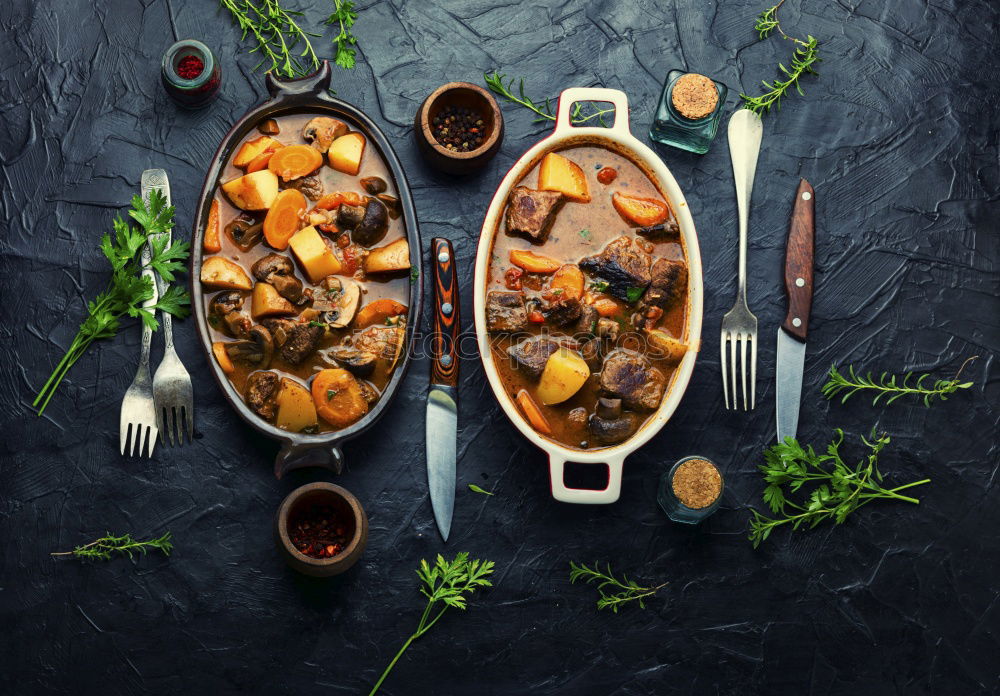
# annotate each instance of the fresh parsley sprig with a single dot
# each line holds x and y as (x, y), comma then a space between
(543, 110)
(445, 583)
(278, 36)
(839, 489)
(343, 17)
(128, 290)
(890, 387)
(125, 545)
(804, 58)
(621, 591)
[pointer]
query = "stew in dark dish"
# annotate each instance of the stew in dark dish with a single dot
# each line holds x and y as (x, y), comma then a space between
(586, 297)
(306, 270)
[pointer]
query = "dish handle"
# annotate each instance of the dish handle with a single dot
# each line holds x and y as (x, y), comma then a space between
(300, 455)
(315, 83)
(586, 496)
(570, 96)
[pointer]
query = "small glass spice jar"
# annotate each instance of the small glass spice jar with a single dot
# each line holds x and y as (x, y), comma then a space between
(190, 74)
(687, 116)
(691, 490)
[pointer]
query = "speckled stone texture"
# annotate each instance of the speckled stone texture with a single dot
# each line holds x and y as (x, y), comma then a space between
(898, 136)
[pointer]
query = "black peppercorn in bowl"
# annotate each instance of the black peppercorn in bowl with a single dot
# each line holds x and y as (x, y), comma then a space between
(321, 529)
(458, 128)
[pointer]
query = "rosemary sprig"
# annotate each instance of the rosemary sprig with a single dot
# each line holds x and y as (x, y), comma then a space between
(448, 583)
(839, 489)
(277, 34)
(101, 549)
(495, 81)
(888, 386)
(625, 590)
(805, 56)
(344, 16)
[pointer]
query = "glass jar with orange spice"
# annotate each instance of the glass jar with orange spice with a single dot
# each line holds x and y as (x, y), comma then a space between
(691, 490)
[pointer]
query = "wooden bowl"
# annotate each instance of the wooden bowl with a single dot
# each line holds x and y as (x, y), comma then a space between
(348, 509)
(461, 94)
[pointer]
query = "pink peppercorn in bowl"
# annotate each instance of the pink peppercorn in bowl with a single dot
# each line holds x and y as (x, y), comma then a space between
(321, 529)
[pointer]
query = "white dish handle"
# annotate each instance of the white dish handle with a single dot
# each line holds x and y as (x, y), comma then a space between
(586, 496)
(570, 96)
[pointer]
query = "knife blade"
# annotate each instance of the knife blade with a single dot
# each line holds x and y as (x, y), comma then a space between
(442, 396)
(791, 353)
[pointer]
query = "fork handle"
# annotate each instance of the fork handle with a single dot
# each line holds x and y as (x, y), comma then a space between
(799, 261)
(147, 332)
(156, 179)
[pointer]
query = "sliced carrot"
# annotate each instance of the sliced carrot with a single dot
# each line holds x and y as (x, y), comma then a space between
(567, 282)
(532, 262)
(284, 218)
(338, 397)
(295, 161)
(338, 198)
(640, 211)
(377, 312)
(607, 307)
(533, 413)
(212, 241)
(219, 349)
(260, 161)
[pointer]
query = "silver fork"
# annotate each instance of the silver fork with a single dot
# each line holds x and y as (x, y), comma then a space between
(173, 396)
(138, 415)
(739, 325)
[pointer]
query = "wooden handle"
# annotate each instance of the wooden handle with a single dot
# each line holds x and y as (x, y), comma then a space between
(799, 261)
(444, 342)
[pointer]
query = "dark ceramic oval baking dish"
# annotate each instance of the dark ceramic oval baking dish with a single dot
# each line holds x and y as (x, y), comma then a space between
(308, 95)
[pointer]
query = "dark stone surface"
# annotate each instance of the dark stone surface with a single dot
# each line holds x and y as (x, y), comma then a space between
(899, 138)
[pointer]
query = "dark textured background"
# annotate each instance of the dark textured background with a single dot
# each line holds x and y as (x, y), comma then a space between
(899, 137)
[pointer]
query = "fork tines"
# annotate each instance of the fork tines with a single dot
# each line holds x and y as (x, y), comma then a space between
(732, 337)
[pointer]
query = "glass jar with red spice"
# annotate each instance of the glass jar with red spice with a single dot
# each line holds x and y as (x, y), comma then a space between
(190, 73)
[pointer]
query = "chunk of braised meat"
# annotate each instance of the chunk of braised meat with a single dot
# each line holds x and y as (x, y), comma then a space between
(608, 328)
(668, 282)
(303, 340)
(530, 355)
(226, 310)
(280, 328)
(368, 391)
(563, 312)
(505, 312)
(591, 352)
(269, 127)
(630, 377)
(309, 186)
(586, 324)
(663, 230)
(624, 266)
(608, 425)
(279, 271)
(531, 212)
(261, 393)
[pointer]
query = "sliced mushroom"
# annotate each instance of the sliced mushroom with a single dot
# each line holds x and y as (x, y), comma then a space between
(608, 328)
(350, 216)
(245, 231)
(373, 227)
(280, 329)
(309, 186)
(255, 351)
(374, 184)
(359, 363)
(392, 203)
(261, 393)
(323, 130)
(225, 308)
(609, 425)
(269, 127)
(337, 305)
(279, 271)
(368, 391)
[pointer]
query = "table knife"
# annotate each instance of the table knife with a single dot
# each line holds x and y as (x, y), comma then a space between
(442, 397)
(793, 332)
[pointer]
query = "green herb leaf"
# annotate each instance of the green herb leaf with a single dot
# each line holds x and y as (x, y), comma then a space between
(806, 55)
(320, 324)
(585, 234)
(414, 274)
(614, 593)
(543, 110)
(278, 36)
(599, 286)
(343, 17)
(887, 385)
(476, 489)
(633, 294)
(103, 548)
(330, 393)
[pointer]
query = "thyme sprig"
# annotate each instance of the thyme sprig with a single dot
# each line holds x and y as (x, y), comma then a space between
(343, 16)
(543, 110)
(614, 593)
(447, 583)
(278, 35)
(103, 548)
(805, 56)
(839, 488)
(890, 387)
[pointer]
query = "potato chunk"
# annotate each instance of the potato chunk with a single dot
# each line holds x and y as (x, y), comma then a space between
(252, 149)
(267, 302)
(296, 410)
(394, 256)
(254, 191)
(565, 372)
(558, 173)
(217, 272)
(313, 254)
(346, 152)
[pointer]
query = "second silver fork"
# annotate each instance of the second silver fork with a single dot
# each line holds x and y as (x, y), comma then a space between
(739, 325)
(172, 392)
